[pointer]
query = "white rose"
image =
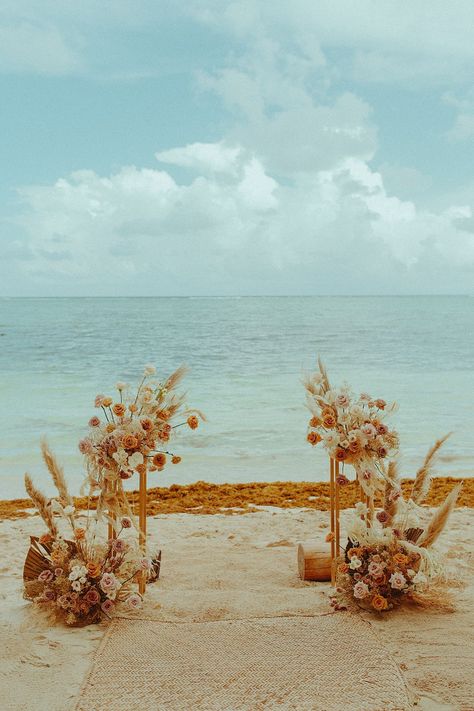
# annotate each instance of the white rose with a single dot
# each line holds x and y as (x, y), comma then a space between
(355, 563)
(69, 510)
(121, 457)
(150, 369)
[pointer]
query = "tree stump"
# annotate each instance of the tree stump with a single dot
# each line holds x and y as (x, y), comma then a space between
(314, 561)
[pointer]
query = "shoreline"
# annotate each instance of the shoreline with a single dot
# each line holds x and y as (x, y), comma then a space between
(207, 498)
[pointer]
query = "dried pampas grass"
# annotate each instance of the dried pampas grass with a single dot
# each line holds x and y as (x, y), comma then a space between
(439, 519)
(42, 504)
(422, 481)
(175, 378)
(57, 474)
(325, 382)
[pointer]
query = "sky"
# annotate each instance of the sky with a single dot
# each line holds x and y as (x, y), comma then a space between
(236, 147)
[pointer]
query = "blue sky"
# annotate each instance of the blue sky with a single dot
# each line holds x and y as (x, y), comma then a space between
(236, 147)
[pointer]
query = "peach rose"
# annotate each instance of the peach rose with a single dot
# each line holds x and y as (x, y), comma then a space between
(314, 438)
(340, 454)
(107, 401)
(327, 411)
(329, 421)
(381, 404)
(354, 447)
(110, 427)
(94, 422)
(379, 602)
(146, 424)
(329, 537)
(175, 459)
(140, 468)
(314, 422)
(400, 559)
(93, 569)
(129, 441)
(119, 409)
(159, 460)
(133, 407)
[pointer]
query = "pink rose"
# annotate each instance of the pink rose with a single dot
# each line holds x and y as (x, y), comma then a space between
(382, 429)
(49, 594)
(126, 522)
(107, 606)
(369, 430)
(367, 475)
(382, 516)
(397, 581)
(119, 546)
(92, 596)
(342, 480)
(109, 583)
(146, 564)
(375, 569)
(46, 576)
(342, 400)
(360, 590)
(85, 446)
(134, 601)
(94, 422)
(382, 452)
(58, 572)
(98, 400)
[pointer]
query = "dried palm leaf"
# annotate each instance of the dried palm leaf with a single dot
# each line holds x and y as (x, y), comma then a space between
(439, 519)
(57, 474)
(42, 504)
(422, 481)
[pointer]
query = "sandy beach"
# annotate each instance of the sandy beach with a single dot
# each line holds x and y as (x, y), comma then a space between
(234, 567)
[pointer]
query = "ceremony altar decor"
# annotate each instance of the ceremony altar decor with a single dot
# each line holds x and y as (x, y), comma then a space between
(79, 579)
(354, 431)
(131, 435)
(388, 558)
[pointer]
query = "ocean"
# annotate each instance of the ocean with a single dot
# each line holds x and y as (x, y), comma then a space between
(247, 356)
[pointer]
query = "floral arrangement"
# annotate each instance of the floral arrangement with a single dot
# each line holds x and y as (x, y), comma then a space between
(389, 559)
(352, 428)
(132, 435)
(82, 579)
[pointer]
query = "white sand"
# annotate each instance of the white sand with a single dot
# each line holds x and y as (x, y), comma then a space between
(218, 567)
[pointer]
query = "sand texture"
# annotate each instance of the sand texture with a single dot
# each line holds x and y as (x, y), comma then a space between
(225, 567)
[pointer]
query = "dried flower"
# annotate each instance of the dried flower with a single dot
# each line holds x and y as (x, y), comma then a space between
(193, 422)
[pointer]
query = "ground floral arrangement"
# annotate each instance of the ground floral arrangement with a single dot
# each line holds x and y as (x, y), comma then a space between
(388, 559)
(78, 577)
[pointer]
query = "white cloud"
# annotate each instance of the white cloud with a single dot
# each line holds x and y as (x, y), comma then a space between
(202, 157)
(139, 231)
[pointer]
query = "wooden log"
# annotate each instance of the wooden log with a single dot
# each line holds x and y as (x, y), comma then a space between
(314, 561)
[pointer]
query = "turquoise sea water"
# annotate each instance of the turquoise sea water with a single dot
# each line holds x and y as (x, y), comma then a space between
(247, 356)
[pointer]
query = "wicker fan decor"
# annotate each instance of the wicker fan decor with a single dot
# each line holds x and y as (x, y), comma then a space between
(38, 558)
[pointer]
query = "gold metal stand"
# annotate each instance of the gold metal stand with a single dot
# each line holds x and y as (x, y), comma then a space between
(335, 526)
(142, 528)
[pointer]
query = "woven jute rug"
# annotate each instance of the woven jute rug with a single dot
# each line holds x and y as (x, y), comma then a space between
(329, 662)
